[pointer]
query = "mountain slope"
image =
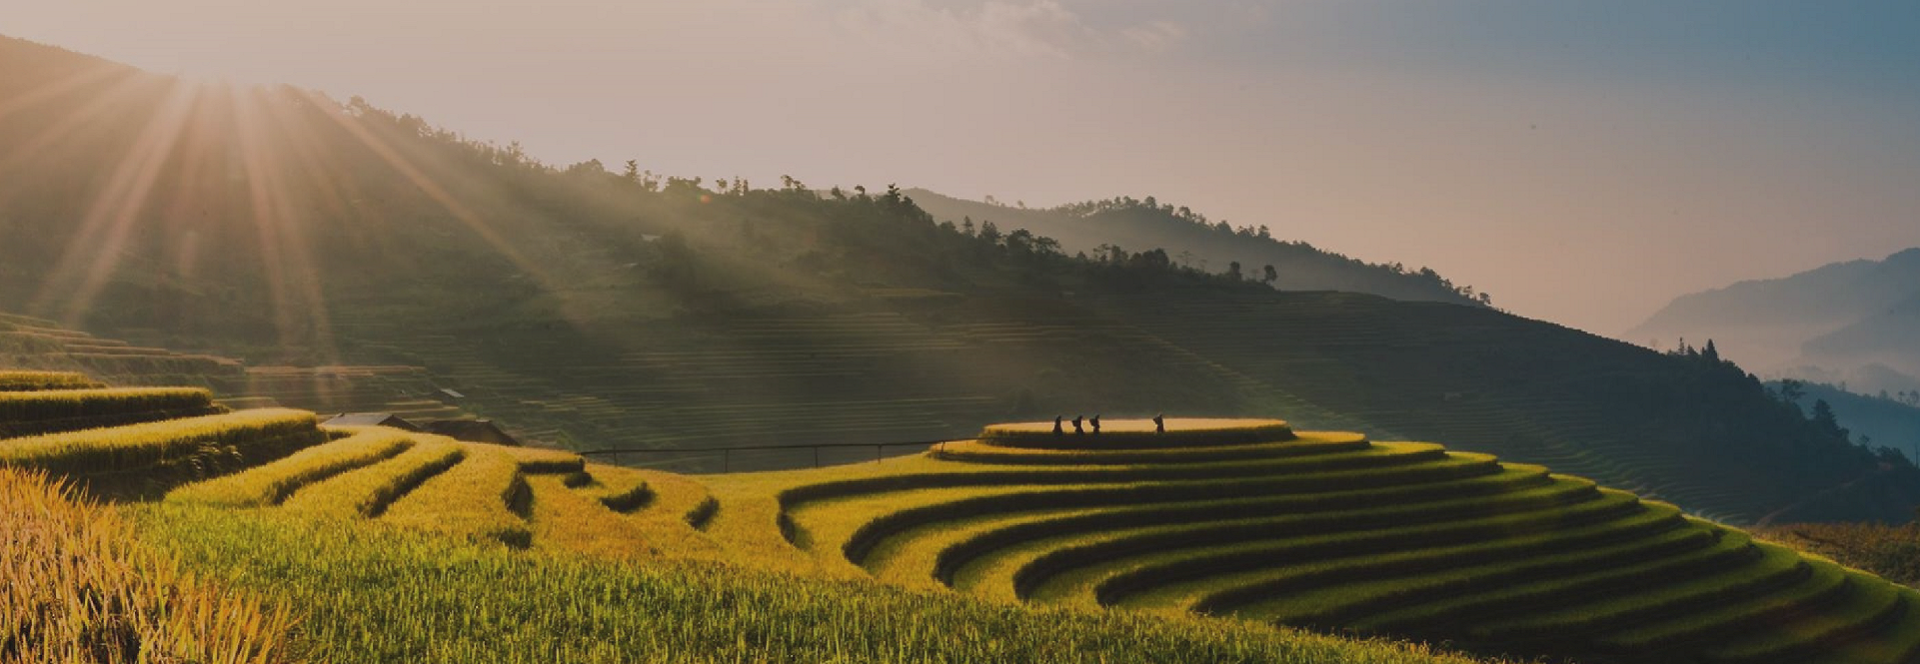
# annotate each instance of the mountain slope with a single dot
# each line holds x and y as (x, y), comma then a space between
(1838, 317)
(633, 311)
(1247, 518)
(1192, 239)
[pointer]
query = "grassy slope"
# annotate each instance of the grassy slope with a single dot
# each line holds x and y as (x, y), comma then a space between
(539, 294)
(1020, 516)
(379, 595)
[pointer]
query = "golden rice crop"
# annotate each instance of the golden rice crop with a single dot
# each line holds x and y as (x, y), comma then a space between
(541, 461)
(143, 445)
(273, 482)
(366, 593)
(98, 402)
(28, 381)
(481, 498)
(79, 590)
(569, 519)
(368, 491)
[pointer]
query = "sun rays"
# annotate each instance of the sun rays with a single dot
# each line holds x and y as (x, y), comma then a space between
(198, 165)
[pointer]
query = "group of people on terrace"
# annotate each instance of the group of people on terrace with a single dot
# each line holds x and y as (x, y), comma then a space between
(1159, 424)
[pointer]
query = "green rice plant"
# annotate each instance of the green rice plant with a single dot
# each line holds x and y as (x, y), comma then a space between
(973, 451)
(79, 589)
(366, 492)
(253, 434)
(1215, 579)
(30, 381)
(50, 411)
(483, 498)
(1097, 538)
(1825, 584)
(1455, 605)
(1775, 568)
(1897, 640)
(1871, 605)
(362, 593)
(1445, 544)
(1261, 495)
(1349, 603)
(1175, 522)
(1304, 473)
(269, 484)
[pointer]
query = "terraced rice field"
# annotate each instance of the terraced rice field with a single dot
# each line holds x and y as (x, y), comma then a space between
(514, 496)
(407, 391)
(1244, 519)
(1326, 531)
(1344, 359)
(132, 441)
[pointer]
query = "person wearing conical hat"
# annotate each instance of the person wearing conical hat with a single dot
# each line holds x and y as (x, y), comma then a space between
(1076, 425)
(1160, 423)
(1096, 424)
(1056, 426)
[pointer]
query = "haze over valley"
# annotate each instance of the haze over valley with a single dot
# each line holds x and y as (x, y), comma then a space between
(959, 331)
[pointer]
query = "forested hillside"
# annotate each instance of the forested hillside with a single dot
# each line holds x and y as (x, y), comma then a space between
(612, 307)
(1255, 253)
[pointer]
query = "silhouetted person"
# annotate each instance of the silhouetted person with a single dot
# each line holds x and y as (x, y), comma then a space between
(1076, 425)
(1159, 424)
(1096, 425)
(1056, 426)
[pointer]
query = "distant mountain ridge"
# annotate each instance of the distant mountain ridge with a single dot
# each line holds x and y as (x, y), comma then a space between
(1855, 321)
(1125, 223)
(621, 309)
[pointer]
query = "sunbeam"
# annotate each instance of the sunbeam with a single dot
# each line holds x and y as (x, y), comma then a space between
(96, 250)
(300, 312)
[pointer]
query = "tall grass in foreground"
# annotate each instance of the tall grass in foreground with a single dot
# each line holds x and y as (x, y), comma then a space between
(387, 595)
(78, 589)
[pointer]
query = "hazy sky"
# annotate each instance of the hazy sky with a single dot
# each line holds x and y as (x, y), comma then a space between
(1583, 161)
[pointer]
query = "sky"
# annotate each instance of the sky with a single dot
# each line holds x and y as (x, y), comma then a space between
(1584, 162)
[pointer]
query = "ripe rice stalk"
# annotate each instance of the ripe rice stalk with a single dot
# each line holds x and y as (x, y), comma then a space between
(366, 492)
(482, 498)
(138, 446)
(80, 590)
(269, 484)
(30, 381)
